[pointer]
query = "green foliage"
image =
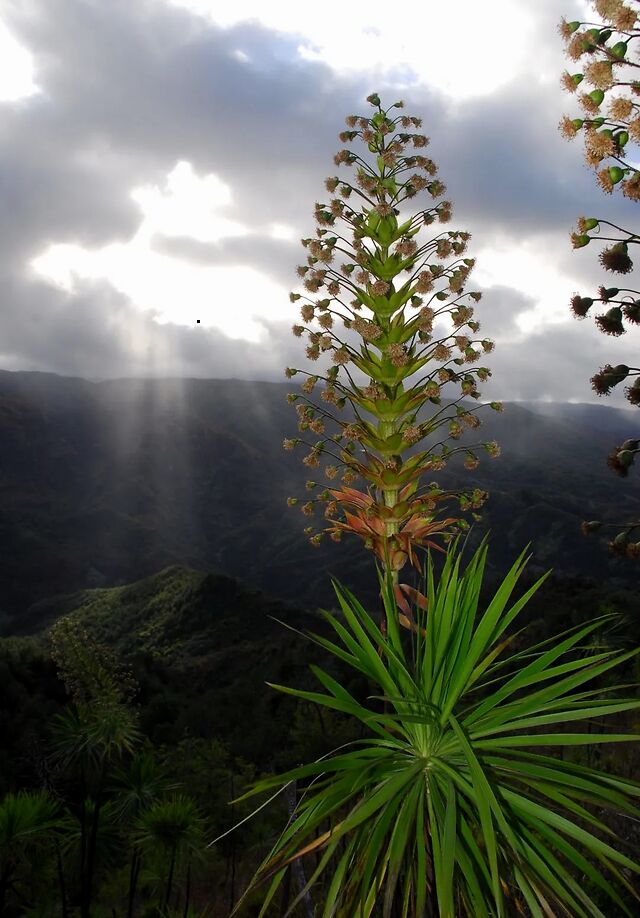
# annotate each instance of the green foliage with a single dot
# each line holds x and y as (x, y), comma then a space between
(200, 649)
(87, 737)
(139, 784)
(173, 831)
(454, 803)
(29, 825)
(91, 672)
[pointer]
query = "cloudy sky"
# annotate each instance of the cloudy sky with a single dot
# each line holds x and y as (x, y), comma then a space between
(159, 162)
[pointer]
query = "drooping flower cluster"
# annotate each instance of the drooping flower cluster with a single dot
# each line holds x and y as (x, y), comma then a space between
(390, 310)
(610, 126)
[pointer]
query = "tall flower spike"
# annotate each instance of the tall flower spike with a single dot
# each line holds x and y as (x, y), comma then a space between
(395, 287)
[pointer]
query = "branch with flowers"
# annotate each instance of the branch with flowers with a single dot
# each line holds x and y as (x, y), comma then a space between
(444, 805)
(609, 50)
(390, 309)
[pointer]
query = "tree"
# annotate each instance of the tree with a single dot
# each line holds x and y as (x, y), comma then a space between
(173, 829)
(93, 735)
(610, 127)
(398, 323)
(137, 786)
(29, 823)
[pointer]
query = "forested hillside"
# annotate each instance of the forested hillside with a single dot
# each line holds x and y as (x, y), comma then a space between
(104, 483)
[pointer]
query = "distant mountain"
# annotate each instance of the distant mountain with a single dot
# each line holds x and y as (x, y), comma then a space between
(618, 424)
(179, 615)
(200, 647)
(102, 483)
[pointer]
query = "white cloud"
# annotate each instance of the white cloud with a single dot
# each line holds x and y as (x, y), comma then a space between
(529, 267)
(224, 128)
(233, 299)
(16, 69)
(485, 46)
(187, 206)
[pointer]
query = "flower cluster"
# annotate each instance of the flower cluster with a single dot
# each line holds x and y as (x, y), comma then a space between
(610, 125)
(611, 109)
(387, 310)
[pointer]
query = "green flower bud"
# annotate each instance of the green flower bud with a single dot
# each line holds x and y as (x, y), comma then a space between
(616, 174)
(596, 96)
(625, 457)
(579, 241)
(621, 138)
(573, 26)
(591, 526)
(591, 223)
(577, 123)
(619, 50)
(577, 78)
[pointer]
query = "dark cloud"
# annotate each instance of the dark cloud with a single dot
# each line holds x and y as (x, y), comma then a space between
(129, 89)
(556, 363)
(275, 258)
(98, 334)
(499, 310)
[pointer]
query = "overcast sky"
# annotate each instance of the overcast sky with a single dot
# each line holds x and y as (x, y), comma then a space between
(160, 159)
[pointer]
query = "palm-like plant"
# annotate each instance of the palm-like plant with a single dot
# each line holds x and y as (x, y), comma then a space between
(173, 828)
(137, 786)
(91, 736)
(28, 821)
(452, 806)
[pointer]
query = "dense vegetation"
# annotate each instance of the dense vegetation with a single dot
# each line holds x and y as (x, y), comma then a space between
(189, 655)
(198, 650)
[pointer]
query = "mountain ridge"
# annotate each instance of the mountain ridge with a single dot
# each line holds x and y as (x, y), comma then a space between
(105, 482)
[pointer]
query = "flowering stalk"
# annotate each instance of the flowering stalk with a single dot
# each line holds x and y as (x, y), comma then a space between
(610, 51)
(396, 320)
